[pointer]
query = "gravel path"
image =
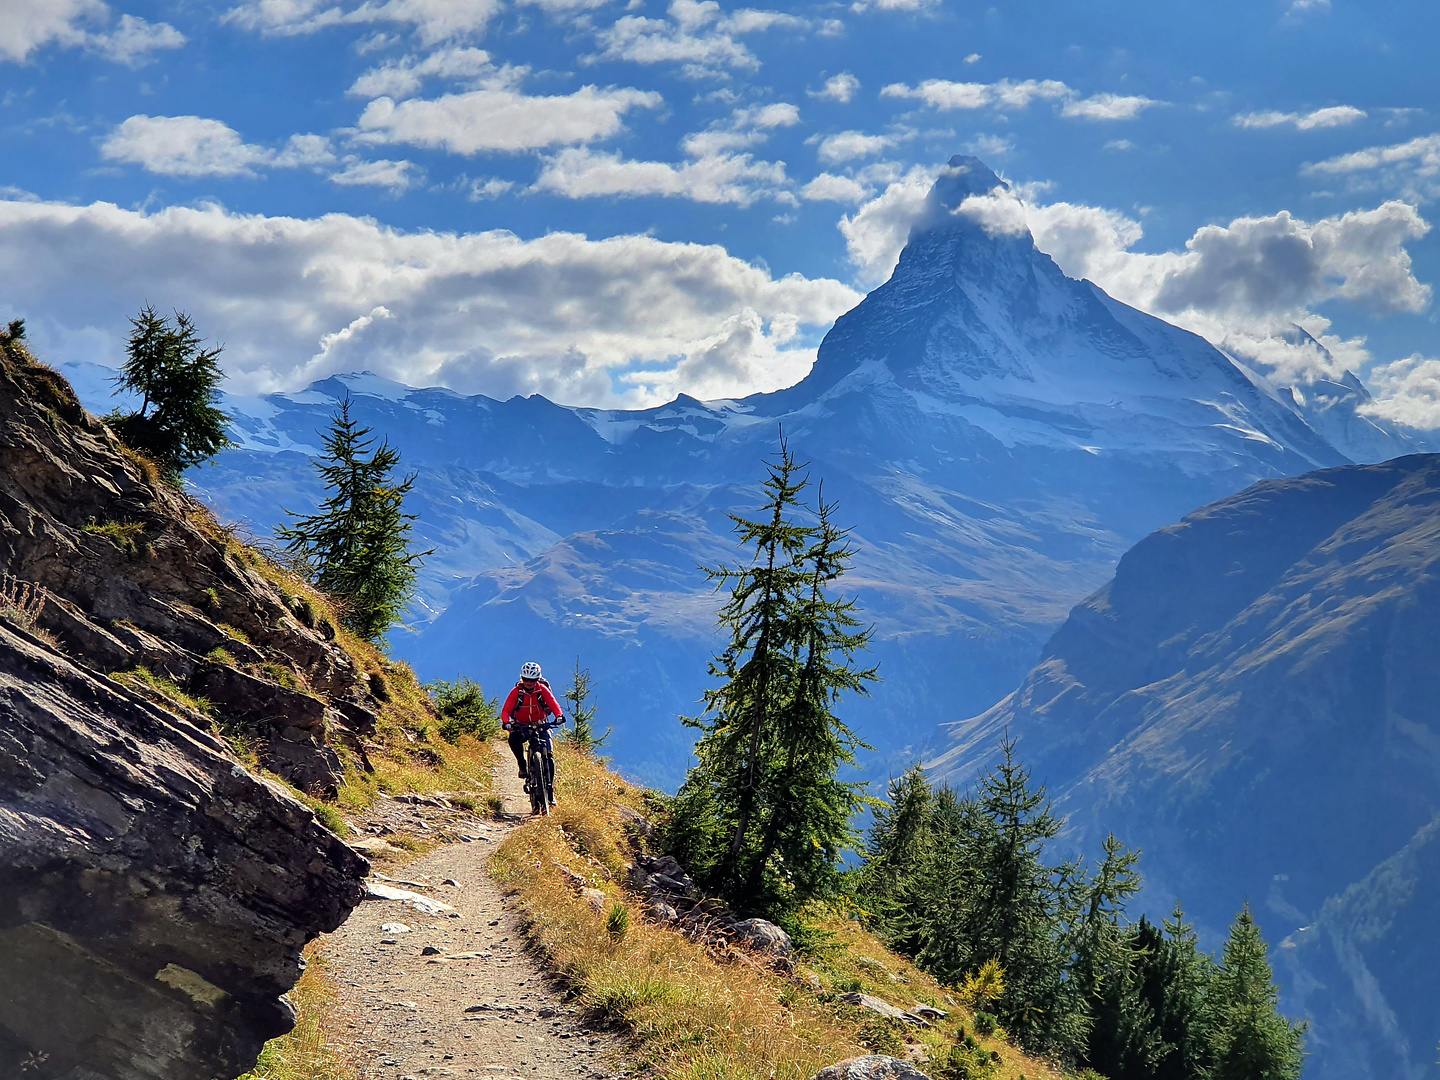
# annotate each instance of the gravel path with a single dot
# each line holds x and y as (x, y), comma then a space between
(482, 1006)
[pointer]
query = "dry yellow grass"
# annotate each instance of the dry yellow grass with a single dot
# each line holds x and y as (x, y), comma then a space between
(699, 1014)
(315, 1049)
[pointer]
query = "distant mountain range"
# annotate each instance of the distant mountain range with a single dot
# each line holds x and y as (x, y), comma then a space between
(997, 434)
(1254, 700)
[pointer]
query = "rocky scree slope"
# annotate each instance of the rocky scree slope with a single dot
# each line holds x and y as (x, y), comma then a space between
(1253, 701)
(155, 895)
(997, 433)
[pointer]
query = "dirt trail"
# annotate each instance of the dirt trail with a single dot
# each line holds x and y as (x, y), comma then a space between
(482, 1007)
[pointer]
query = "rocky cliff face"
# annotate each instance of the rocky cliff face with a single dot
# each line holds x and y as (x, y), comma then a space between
(1253, 701)
(154, 894)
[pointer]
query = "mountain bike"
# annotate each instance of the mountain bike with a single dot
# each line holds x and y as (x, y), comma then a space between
(539, 767)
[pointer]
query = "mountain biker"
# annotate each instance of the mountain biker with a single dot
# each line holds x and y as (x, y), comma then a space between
(529, 704)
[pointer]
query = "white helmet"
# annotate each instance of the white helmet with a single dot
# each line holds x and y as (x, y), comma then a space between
(531, 670)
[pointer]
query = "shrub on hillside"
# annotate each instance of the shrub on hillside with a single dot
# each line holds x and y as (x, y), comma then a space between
(464, 709)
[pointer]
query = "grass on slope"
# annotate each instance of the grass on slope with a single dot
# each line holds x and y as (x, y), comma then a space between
(699, 1013)
(314, 1050)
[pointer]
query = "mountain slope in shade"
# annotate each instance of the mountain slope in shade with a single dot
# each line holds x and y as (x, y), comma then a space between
(1254, 700)
(997, 434)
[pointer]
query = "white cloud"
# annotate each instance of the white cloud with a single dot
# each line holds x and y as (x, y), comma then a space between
(1411, 167)
(488, 187)
(403, 78)
(893, 5)
(395, 176)
(696, 36)
(433, 21)
(564, 7)
(876, 232)
(499, 120)
(304, 151)
(1332, 116)
(849, 145)
(737, 179)
(715, 171)
(1303, 7)
(193, 146)
(827, 187)
(947, 96)
(299, 299)
(30, 25)
(990, 147)
(1108, 107)
(1406, 392)
(133, 40)
(1423, 152)
(973, 58)
(839, 88)
(183, 146)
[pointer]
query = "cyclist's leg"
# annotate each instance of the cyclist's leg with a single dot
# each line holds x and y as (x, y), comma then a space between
(517, 747)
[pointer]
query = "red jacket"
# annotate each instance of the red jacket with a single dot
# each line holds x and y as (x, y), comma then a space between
(530, 706)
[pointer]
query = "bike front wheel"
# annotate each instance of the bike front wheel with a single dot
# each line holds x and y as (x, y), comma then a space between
(539, 789)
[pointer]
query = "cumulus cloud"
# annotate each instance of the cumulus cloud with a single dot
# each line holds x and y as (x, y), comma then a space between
(188, 146)
(697, 36)
(31, 25)
(715, 170)
(433, 21)
(947, 96)
(1332, 116)
(299, 299)
(1406, 392)
(732, 178)
(502, 120)
(829, 187)
(403, 77)
(396, 177)
(876, 232)
(195, 146)
(839, 88)
(1107, 107)
(1412, 167)
(893, 5)
(849, 145)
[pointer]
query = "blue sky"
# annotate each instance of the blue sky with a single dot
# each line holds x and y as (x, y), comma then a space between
(611, 202)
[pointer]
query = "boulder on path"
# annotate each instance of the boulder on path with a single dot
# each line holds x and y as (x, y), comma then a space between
(871, 1067)
(154, 895)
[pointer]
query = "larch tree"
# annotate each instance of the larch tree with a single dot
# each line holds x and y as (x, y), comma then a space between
(762, 817)
(357, 547)
(1249, 1038)
(179, 423)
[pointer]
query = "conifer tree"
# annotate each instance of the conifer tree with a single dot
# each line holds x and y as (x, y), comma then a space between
(762, 817)
(1249, 1039)
(357, 548)
(581, 732)
(178, 424)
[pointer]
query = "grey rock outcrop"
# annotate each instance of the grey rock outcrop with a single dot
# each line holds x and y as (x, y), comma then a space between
(673, 898)
(871, 1067)
(883, 1008)
(154, 895)
(139, 576)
